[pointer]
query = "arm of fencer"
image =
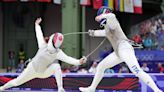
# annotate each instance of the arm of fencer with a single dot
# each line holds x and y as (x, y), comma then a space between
(67, 59)
(39, 36)
(99, 33)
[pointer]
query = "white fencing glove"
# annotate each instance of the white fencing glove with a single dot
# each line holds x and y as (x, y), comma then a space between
(83, 60)
(91, 32)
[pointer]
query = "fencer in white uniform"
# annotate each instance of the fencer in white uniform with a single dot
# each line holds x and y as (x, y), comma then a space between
(44, 64)
(123, 50)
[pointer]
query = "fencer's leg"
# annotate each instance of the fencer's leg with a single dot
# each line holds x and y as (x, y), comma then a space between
(135, 68)
(25, 76)
(55, 69)
(59, 79)
(110, 61)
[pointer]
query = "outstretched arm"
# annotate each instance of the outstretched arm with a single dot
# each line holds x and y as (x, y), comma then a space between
(97, 33)
(67, 59)
(39, 34)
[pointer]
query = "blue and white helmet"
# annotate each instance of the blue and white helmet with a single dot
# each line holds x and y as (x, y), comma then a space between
(103, 10)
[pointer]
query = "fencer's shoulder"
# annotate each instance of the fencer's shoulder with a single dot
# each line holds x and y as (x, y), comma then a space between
(111, 15)
(43, 46)
(59, 51)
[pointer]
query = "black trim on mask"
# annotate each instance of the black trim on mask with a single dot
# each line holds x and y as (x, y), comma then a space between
(53, 43)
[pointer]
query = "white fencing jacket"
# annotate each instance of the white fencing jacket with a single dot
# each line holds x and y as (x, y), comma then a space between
(112, 31)
(47, 54)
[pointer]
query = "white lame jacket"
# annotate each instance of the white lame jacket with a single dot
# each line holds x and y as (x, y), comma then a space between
(47, 54)
(112, 30)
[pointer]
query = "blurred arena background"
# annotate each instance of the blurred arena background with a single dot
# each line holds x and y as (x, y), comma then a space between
(141, 20)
